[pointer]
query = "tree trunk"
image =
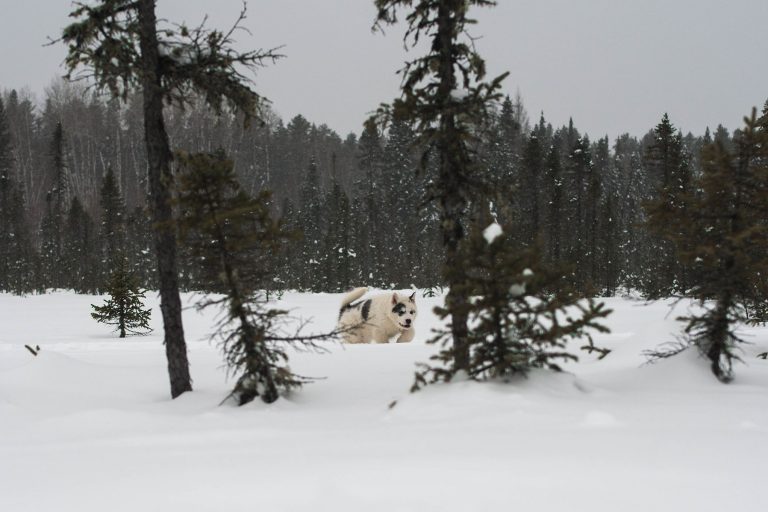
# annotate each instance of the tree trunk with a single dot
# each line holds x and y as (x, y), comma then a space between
(160, 178)
(452, 202)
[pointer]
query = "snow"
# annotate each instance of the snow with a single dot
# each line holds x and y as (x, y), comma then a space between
(459, 94)
(517, 290)
(88, 424)
(492, 232)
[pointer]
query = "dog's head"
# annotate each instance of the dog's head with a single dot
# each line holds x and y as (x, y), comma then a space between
(403, 310)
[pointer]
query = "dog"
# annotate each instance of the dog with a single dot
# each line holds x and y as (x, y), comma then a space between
(378, 318)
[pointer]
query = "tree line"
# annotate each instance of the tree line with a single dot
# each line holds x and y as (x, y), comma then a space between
(75, 193)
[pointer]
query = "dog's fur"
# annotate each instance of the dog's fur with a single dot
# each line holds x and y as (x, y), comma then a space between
(378, 318)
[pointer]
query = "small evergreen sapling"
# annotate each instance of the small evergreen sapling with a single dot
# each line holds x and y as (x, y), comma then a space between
(233, 239)
(124, 309)
(520, 316)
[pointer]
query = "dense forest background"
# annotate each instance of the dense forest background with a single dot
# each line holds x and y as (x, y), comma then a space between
(73, 194)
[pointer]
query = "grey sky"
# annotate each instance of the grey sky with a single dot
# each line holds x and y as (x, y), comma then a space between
(614, 66)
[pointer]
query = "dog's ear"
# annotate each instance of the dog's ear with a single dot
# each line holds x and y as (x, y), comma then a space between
(412, 298)
(394, 298)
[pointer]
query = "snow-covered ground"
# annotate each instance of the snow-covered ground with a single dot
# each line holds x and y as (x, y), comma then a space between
(88, 425)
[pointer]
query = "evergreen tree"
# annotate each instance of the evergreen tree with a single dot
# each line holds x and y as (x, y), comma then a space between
(124, 309)
(311, 222)
(113, 227)
(231, 236)
(57, 204)
(518, 323)
(402, 225)
(579, 170)
(528, 189)
(723, 237)
(337, 254)
(634, 246)
(668, 168)
(139, 247)
(555, 211)
(80, 251)
(444, 95)
(504, 142)
(370, 161)
(592, 222)
(118, 40)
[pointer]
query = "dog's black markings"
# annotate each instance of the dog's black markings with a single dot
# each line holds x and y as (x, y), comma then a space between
(356, 305)
(366, 309)
(399, 309)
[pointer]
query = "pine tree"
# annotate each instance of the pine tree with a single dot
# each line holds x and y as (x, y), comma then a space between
(504, 145)
(231, 236)
(312, 223)
(337, 254)
(119, 42)
(80, 251)
(56, 206)
(113, 221)
(634, 245)
(667, 165)
(370, 161)
(139, 247)
(124, 309)
(555, 210)
(521, 312)
(528, 190)
(592, 221)
(722, 237)
(579, 170)
(445, 97)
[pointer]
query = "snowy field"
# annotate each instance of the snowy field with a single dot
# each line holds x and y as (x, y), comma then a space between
(88, 425)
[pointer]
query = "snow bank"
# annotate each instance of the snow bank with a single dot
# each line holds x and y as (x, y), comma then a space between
(88, 425)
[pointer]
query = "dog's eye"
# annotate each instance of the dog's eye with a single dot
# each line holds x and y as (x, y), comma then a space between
(413, 312)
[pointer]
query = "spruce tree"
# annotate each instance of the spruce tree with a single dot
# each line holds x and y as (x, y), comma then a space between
(312, 224)
(125, 308)
(370, 161)
(139, 247)
(54, 218)
(528, 188)
(522, 313)
(445, 97)
(722, 237)
(555, 207)
(406, 223)
(337, 254)
(667, 164)
(231, 235)
(119, 42)
(113, 221)
(579, 170)
(504, 141)
(80, 251)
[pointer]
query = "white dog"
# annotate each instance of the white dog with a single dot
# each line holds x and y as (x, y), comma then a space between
(377, 319)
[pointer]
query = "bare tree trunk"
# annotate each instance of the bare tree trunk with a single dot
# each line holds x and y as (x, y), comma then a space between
(160, 177)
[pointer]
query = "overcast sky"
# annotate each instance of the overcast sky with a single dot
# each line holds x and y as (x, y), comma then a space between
(613, 65)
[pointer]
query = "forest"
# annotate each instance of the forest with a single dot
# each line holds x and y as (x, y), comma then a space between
(74, 193)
